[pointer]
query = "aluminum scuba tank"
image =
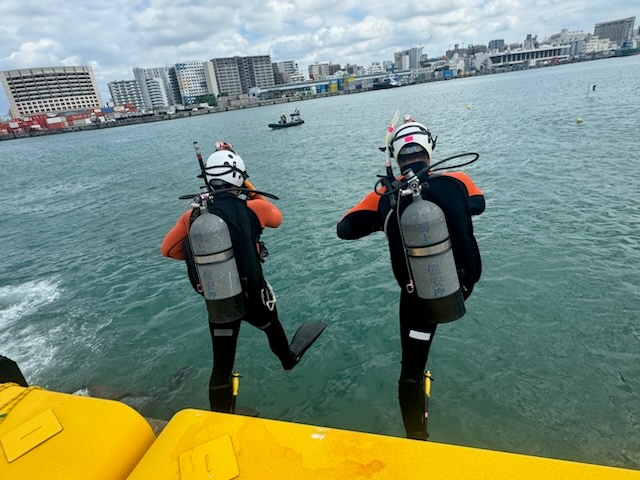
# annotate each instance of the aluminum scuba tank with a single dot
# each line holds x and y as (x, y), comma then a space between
(216, 265)
(430, 255)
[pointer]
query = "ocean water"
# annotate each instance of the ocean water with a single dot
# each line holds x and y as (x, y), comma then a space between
(546, 361)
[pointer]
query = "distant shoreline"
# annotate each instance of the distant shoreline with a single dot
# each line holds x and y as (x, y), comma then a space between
(150, 118)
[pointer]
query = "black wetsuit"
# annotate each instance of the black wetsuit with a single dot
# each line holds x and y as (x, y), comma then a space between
(376, 213)
(244, 230)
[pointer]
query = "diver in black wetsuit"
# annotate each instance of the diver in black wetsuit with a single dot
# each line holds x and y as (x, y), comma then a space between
(245, 216)
(457, 196)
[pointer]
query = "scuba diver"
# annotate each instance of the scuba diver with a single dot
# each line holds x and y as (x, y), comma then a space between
(426, 217)
(219, 239)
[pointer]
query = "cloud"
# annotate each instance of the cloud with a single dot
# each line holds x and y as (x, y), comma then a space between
(113, 36)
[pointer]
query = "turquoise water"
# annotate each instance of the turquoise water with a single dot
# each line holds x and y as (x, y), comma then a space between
(546, 361)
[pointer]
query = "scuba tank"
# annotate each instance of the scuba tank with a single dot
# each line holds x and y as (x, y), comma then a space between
(212, 250)
(430, 258)
(214, 258)
(216, 265)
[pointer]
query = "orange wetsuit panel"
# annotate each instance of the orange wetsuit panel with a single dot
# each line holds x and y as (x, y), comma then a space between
(172, 243)
(369, 203)
(464, 178)
(268, 215)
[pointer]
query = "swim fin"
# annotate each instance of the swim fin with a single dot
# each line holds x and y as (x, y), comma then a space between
(304, 337)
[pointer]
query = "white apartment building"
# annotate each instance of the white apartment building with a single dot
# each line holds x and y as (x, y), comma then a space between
(126, 91)
(192, 81)
(595, 44)
(319, 71)
(375, 68)
(565, 37)
(158, 86)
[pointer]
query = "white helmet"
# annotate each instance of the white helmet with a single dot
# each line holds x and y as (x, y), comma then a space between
(411, 137)
(225, 166)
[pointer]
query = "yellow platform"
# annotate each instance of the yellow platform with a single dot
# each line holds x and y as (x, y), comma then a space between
(56, 436)
(199, 445)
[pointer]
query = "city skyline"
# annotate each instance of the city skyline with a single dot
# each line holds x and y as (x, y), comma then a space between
(115, 37)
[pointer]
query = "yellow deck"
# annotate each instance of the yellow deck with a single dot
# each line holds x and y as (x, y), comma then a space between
(56, 436)
(198, 445)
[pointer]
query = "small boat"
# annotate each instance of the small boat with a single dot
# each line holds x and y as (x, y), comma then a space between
(283, 123)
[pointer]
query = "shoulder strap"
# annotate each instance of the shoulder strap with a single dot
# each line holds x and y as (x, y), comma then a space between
(192, 271)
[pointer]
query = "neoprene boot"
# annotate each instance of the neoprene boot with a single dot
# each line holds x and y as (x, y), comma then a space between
(10, 372)
(221, 398)
(412, 405)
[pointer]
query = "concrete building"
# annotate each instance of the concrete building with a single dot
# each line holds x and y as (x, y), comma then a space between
(255, 71)
(191, 80)
(126, 91)
(565, 37)
(284, 71)
(408, 59)
(594, 44)
(238, 75)
(227, 76)
(470, 51)
(158, 86)
(496, 45)
(543, 55)
(375, 68)
(319, 71)
(617, 30)
(33, 91)
(211, 79)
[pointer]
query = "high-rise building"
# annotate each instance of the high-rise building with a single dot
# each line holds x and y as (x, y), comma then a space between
(319, 71)
(283, 71)
(255, 71)
(32, 91)
(227, 76)
(158, 86)
(496, 45)
(210, 78)
(126, 91)
(617, 30)
(192, 81)
(236, 75)
(408, 59)
(401, 59)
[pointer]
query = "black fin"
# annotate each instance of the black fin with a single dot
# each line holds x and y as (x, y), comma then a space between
(303, 339)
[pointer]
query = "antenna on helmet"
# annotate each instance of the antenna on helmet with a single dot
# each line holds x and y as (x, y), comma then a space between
(387, 145)
(206, 187)
(207, 192)
(387, 180)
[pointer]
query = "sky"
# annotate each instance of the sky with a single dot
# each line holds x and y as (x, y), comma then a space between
(114, 36)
